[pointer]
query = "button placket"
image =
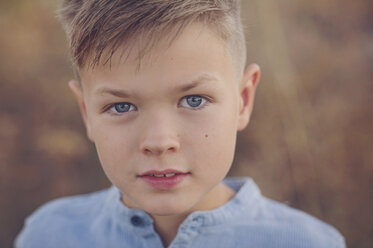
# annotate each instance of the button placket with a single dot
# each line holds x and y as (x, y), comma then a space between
(187, 232)
(197, 221)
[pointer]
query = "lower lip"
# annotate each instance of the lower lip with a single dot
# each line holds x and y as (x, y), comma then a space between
(164, 182)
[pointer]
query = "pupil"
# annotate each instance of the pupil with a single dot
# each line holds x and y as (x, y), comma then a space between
(194, 101)
(122, 107)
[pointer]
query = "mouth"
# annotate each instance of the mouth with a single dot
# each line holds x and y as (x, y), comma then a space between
(164, 173)
(165, 179)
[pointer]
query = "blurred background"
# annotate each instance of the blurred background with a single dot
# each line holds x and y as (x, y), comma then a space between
(309, 143)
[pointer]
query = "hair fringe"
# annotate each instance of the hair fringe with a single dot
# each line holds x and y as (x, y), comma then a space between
(96, 29)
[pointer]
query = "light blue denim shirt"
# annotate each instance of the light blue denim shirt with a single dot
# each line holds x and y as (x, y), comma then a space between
(248, 220)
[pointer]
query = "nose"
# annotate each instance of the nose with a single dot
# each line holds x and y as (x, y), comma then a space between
(159, 136)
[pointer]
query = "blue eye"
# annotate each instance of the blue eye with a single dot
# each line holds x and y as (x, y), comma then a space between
(193, 101)
(122, 107)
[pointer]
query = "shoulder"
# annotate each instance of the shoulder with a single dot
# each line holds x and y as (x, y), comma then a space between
(70, 207)
(58, 221)
(292, 227)
(273, 224)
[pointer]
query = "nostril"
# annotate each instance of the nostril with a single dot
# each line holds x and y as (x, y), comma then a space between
(158, 150)
(147, 151)
(159, 143)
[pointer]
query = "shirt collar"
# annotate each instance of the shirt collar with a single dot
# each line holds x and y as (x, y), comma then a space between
(248, 197)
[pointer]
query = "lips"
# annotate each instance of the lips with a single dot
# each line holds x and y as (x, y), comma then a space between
(164, 179)
(164, 173)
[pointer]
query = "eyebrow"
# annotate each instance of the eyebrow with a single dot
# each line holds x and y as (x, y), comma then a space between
(201, 79)
(114, 92)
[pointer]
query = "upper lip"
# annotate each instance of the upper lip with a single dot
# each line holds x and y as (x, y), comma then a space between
(157, 172)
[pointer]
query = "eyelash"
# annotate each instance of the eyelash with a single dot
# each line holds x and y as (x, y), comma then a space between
(205, 102)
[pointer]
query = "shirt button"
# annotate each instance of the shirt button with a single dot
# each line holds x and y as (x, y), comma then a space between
(136, 220)
(195, 219)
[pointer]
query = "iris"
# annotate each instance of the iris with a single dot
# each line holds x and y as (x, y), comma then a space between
(194, 101)
(122, 107)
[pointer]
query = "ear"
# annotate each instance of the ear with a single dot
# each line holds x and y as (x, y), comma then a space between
(76, 88)
(248, 84)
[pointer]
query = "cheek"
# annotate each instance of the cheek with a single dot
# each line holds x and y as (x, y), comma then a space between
(221, 125)
(112, 144)
(216, 139)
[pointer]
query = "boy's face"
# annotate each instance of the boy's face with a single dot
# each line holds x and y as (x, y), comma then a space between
(180, 111)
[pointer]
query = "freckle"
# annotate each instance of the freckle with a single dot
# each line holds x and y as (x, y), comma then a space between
(206, 135)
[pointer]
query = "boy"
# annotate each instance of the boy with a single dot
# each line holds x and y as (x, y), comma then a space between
(163, 90)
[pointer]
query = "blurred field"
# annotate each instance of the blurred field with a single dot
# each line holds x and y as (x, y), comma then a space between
(310, 141)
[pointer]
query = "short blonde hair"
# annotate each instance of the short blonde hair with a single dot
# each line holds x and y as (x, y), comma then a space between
(97, 28)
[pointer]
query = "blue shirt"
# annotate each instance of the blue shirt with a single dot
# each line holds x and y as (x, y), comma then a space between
(248, 220)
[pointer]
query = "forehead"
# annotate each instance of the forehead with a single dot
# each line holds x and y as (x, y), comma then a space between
(196, 50)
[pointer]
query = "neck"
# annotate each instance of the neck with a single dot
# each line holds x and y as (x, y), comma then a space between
(167, 226)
